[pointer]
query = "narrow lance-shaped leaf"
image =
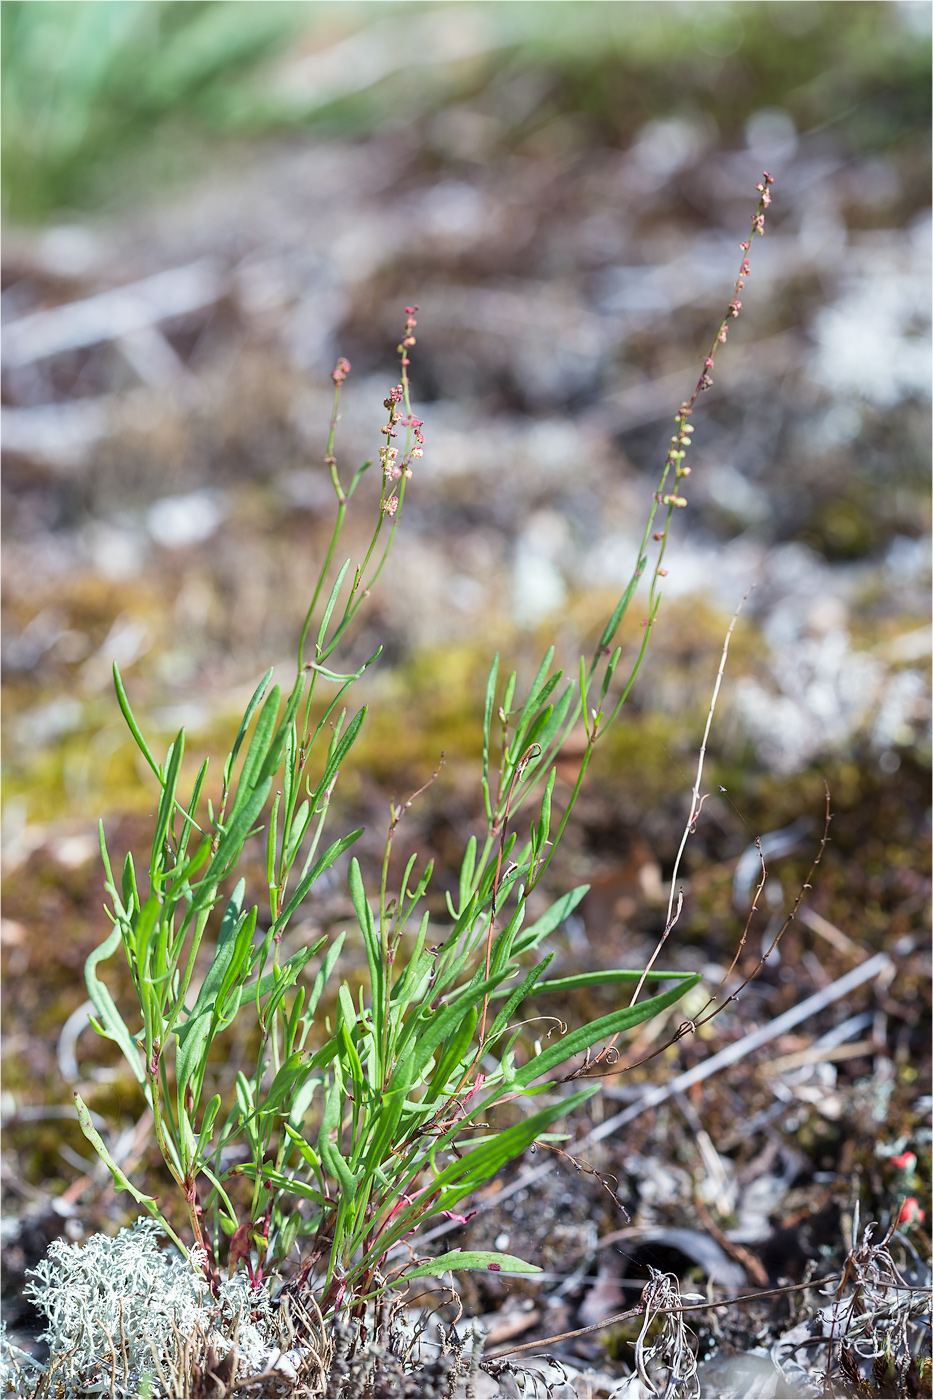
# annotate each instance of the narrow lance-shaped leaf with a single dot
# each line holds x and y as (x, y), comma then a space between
(257, 695)
(476, 1166)
(364, 915)
(324, 971)
(331, 603)
(466, 873)
(111, 1024)
(604, 1028)
(120, 1179)
(167, 802)
(131, 722)
(329, 1151)
(459, 1261)
(257, 752)
(339, 748)
(612, 626)
(487, 724)
(555, 916)
(304, 887)
(608, 976)
(518, 996)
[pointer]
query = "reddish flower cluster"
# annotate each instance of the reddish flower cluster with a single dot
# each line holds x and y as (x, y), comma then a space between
(340, 371)
(408, 339)
(393, 469)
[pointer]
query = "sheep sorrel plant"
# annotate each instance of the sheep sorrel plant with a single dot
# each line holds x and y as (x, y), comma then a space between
(345, 1135)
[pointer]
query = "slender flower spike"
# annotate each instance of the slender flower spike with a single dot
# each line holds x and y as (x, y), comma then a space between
(340, 370)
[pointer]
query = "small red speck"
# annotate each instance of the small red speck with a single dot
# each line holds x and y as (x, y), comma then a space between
(497, 1268)
(911, 1212)
(905, 1162)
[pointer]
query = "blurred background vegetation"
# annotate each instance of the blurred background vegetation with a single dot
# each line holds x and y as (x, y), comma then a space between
(105, 102)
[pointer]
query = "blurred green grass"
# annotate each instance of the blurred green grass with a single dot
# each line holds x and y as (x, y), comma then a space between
(106, 100)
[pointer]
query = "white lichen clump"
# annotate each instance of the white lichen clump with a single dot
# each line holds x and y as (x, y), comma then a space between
(117, 1307)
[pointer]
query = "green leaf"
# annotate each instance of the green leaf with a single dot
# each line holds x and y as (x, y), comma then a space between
(386, 1120)
(329, 1152)
(280, 979)
(259, 747)
(189, 822)
(339, 748)
(558, 715)
(207, 1125)
(231, 961)
(331, 603)
(543, 827)
(283, 1181)
(466, 873)
(454, 1050)
(518, 996)
(131, 722)
(377, 971)
(540, 687)
(411, 983)
(305, 1148)
(131, 898)
(487, 724)
(476, 1166)
(120, 1180)
(258, 693)
(607, 975)
(300, 1103)
(459, 1261)
(166, 810)
(234, 836)
(294, 1071)
(428, 1028)
(612, 626)
(549, 921)
(304, 887)
(111, 1022)
(324, 971)
(604, 1028)
(146, 923)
